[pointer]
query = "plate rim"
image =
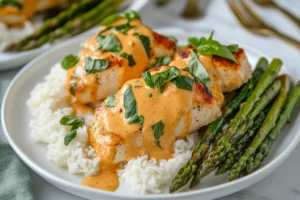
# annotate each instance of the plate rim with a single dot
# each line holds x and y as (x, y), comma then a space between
(267, 169)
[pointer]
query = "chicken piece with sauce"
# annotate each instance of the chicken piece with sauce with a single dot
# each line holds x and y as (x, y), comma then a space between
(118, 53)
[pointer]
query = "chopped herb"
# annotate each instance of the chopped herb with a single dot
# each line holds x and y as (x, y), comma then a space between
(145, 41)
(196, 68)
(69, 61)
(123, 28)
(129, 58)
(137, 86)
(163, 60)
(114, 17)
(158, 129)
(95, 65)
(109, 43)
(73, 88)
(212, 47)
(150, 95)
(75, 123)
(158, 80)
(132, 44)
(131, 113)
(111, 102)
(184, 82)
(14, 3)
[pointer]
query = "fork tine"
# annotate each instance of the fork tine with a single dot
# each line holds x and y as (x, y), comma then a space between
(242, 19)
(253, 14)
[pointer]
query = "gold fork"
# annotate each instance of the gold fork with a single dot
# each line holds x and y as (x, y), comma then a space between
(252, 22)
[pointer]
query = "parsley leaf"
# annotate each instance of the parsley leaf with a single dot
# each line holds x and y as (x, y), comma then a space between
(111, 102)
(130, 15)
(145, 41)
(196, 68)
(184, 82)
(69, 61)
(212, 47)
(158, 129)
(75, 122)
(95, 65)
(129, 58)
(109, 43)
(158, 80)
(131, 113)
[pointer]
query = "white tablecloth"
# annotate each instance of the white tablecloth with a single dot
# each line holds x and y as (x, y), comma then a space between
(284, 183)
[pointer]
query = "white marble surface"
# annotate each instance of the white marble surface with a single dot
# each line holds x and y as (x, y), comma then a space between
(284, 183)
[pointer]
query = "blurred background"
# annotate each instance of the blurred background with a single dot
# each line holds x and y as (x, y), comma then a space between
(30, 27)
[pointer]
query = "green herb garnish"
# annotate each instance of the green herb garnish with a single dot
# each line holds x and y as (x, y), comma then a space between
(129, 58)
(184, 82)
(212, 47)
(111, 102)
(109, 43)
(145, 41)
(69, 61)
(158, 129)
(158, 80)
(95, 65)
(196, 68)
(163, 60)
(73, 88)
(131, 113)
(75, 123)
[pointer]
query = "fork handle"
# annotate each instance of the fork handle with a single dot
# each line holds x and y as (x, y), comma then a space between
(287, 13)
(286, 38)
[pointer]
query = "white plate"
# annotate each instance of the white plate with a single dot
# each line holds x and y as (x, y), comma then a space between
(12, 60)
(15, 119)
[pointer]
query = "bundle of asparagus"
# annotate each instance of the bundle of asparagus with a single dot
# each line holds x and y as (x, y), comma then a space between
(79, 17)
(255, 116)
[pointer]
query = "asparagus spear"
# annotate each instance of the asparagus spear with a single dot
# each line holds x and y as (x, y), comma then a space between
(216, 156)
(53, 23)
(239, 148)
(187, 171)
(265, 99)
(100, 11)
(266, 127)
(265, 147)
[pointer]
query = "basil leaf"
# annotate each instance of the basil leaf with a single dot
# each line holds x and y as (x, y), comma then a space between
(69, 120)
(145, 41)
(159, 79)
(212, 47)
(129, 58)
(148, 78)
(136, 120)
(75, 122)
(128, 15)
(14, 3)
(111, 102)
(130, 106)
(233, 48)
(196, 68)
(73, 87)
(184, 82)
(109, 43)
(95, 65)
(158, 129)
(71, 135)
(123, 28)
(163, 60)
(69, 61)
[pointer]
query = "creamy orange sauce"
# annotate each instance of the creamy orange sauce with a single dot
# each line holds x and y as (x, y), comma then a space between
(111, 130)
(12, 15)
(95, 86)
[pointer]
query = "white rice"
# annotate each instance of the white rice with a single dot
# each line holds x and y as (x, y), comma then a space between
(14, 34)
(48, 105)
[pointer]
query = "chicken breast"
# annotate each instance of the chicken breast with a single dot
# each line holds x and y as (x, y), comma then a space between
(224, 74)
(114, 56)
(140, 120)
